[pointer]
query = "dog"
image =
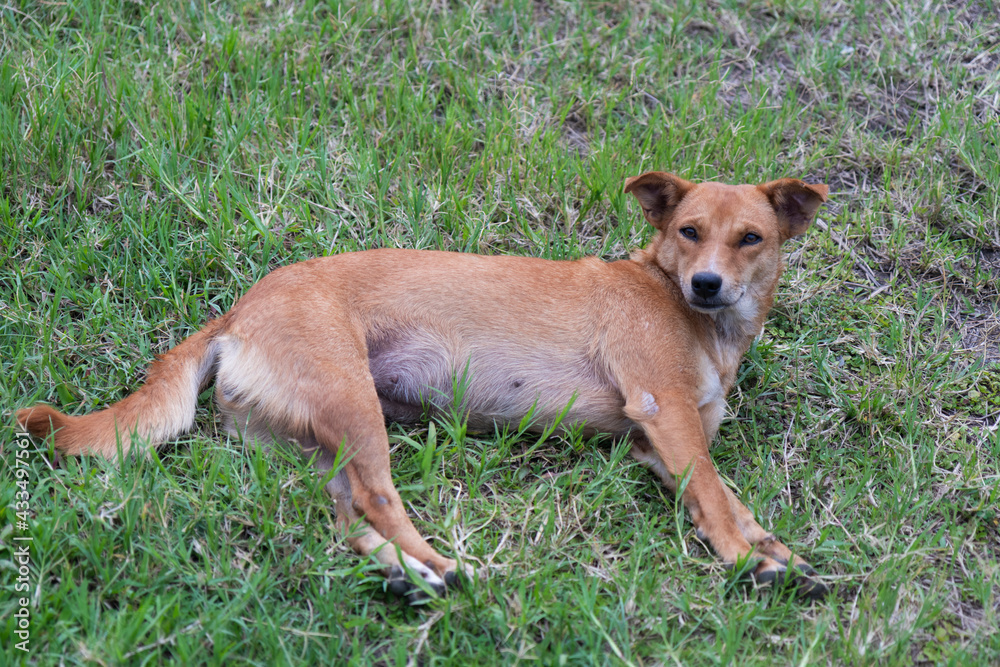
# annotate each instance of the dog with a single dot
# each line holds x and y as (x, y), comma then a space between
(326, 351)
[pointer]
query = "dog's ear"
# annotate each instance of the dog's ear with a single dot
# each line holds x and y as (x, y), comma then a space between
(795, 203)
(658, 193)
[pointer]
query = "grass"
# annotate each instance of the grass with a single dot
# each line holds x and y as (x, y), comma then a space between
(158, 159)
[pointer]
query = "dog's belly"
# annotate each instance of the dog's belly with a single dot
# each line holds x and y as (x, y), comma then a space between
(494, 383)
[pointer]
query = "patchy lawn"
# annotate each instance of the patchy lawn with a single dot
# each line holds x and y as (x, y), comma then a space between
(156, 159)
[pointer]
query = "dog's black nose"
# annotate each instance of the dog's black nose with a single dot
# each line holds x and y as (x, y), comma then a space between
(706, 284)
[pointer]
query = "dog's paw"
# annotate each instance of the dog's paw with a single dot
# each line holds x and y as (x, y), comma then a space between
(802, 576)
(457, 578)
(404, 583)
(779, 572)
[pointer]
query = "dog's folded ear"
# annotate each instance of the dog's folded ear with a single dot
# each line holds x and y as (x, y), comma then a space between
(658, 193)
(795, 203)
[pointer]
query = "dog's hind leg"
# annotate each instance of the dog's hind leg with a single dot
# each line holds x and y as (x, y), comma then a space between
(366, 541)
(364, 492)
(316, 388)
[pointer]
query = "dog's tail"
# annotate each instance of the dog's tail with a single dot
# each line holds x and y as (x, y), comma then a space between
(161, 409)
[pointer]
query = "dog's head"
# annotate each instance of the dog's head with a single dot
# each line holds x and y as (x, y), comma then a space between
(722, 243)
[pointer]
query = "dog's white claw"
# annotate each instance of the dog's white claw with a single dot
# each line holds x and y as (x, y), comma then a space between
(429, 575)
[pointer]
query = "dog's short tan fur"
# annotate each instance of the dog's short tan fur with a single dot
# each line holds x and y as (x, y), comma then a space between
(325, 351)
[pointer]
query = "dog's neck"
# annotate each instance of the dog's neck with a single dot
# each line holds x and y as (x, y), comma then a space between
(739, 325)
(734, 333)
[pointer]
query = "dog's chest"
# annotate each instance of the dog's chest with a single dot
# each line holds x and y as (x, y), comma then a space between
(712, 389)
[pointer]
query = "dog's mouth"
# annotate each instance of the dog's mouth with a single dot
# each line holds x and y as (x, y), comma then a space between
(709, 307)
(713, 305)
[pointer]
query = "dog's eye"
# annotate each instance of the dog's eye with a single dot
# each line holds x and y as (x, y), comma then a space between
(690, 233)
(751, 239)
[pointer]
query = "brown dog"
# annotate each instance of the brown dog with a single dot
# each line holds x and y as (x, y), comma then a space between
(325, 351)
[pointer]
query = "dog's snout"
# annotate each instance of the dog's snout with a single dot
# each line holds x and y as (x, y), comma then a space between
(706, 284)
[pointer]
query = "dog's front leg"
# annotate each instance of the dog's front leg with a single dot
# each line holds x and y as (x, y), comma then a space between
(675, 447)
